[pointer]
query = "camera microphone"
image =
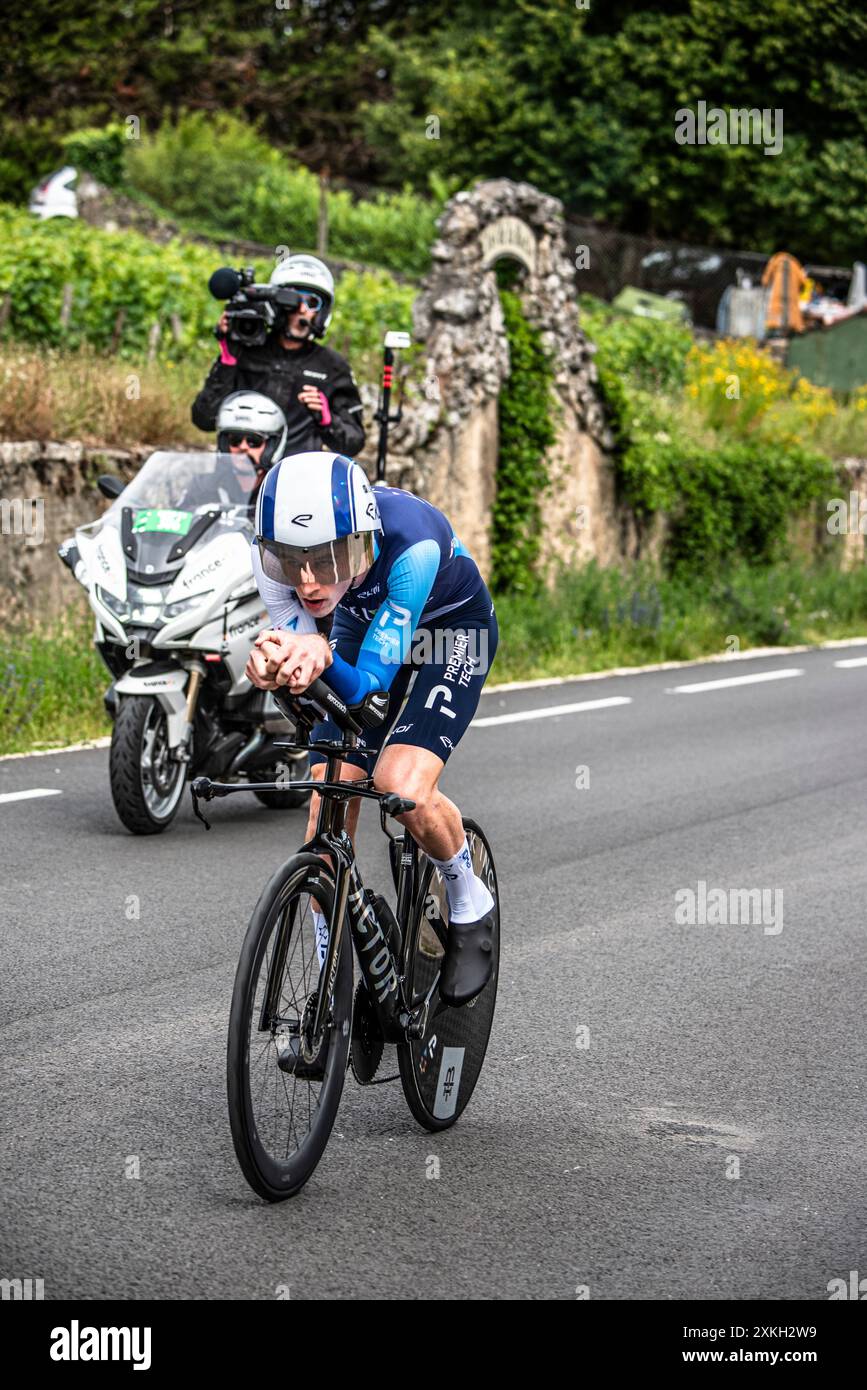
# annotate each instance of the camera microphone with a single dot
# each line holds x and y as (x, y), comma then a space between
(224, 283)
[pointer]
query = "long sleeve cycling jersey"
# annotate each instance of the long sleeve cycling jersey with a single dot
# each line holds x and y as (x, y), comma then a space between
(421, 572)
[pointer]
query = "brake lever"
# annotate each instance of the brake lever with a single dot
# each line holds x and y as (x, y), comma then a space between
(201, 787)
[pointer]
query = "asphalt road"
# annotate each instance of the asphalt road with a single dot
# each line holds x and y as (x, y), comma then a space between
(667, 1110)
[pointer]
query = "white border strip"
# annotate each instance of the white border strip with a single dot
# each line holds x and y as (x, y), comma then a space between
(28, 795)
(69, 748)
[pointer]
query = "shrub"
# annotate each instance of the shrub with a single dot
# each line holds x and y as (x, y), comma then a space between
(651, 353)
(526, 432)
(101, 151)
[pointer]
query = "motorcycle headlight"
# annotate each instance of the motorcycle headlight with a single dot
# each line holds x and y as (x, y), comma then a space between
(146, 605)
(118, 606)
(182, 605)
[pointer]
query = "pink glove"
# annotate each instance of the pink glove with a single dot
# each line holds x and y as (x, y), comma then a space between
(225, 356)
(326, 410)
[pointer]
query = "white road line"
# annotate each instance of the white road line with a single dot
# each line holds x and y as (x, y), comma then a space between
(853, 661)
(34, 791)
(548, 710)
(750, 654)
(736, 680)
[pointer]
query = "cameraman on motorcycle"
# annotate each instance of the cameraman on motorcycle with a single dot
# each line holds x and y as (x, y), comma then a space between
(312, 384)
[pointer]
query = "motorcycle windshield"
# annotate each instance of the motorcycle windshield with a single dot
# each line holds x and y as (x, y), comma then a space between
(173, 504)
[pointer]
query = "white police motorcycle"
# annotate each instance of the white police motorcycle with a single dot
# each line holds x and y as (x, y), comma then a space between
(168, 574)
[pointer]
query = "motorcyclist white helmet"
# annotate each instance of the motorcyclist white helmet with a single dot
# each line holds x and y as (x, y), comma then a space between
(254, 416)
(316, 518)
(308, 273)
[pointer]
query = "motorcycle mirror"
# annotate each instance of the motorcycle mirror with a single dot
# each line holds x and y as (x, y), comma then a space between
(109, 486)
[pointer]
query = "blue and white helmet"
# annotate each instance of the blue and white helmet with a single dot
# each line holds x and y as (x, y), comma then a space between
(316, 520)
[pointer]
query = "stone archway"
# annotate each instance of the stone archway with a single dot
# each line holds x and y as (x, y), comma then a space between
(446, 446)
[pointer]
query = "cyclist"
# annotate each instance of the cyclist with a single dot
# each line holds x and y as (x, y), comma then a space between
(390, 568)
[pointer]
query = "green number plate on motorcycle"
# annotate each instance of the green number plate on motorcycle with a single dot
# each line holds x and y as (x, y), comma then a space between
(163, 519)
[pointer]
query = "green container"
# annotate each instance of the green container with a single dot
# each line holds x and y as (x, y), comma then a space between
(835, 356)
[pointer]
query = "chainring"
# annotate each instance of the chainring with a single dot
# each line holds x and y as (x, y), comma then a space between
(367, 1045)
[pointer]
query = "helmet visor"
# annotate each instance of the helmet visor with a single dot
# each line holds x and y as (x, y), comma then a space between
(330, 563)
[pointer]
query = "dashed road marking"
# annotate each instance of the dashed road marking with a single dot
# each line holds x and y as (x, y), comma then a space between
(548, 711)
(701, 686)
(34, 791)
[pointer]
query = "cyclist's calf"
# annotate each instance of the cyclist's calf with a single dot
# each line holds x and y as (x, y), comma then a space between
(414, 774)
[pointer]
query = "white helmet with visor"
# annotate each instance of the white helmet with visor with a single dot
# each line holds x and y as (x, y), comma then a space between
(316, 520)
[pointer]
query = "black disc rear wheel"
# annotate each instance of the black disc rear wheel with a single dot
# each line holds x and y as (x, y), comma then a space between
(439, 1071)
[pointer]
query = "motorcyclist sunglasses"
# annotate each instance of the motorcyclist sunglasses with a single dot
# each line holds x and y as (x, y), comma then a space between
(235, 438)
(310, 299)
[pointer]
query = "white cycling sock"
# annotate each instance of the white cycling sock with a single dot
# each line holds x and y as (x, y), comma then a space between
(320, 928)
(468, 897)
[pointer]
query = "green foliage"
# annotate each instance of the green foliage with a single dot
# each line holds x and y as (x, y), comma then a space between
(51, 684)
(726, 499)
(581, 101)
(101, 151)
(218, 172)
(200, 167)
(367, 304)
(29, 149)
(595, 619)
(729, 477)
(526, 432)
(651, 352)
(110, 272)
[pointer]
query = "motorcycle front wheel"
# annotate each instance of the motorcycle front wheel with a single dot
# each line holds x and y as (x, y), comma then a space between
(146, 782)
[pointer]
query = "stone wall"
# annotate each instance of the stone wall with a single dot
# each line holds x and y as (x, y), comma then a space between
(446, 446)
(46, 490)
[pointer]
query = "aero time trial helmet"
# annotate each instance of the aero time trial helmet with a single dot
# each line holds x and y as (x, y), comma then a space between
(316, 519)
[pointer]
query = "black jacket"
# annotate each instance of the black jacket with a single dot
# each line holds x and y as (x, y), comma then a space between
(281, 374)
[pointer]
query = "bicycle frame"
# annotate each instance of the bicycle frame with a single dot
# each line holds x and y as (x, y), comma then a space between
(383, 974)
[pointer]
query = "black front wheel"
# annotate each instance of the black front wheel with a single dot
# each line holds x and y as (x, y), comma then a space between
(147, 783)
(281, 1117)
(439, 1071)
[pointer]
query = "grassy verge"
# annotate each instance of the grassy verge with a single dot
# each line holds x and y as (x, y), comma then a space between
(47, 394)
(51, 685)
(597, 619)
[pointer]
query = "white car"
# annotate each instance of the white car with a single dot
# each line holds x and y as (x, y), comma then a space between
(55, 196)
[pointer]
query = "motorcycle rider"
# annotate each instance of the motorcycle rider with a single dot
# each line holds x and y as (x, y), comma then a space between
(252, 429)
(311, 383)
